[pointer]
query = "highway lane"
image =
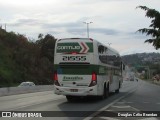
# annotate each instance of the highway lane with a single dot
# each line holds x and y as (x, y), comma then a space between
(48, 101)
(15, 102)
(142, 96)
(145, 98)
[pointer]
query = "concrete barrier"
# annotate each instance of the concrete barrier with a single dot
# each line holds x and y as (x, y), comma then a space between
(26, 89)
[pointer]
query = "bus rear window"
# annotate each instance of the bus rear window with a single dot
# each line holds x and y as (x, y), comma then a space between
(75, 69)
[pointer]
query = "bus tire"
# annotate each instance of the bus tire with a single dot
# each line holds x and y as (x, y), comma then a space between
(117, 91)
(70, 98)
(105, 92)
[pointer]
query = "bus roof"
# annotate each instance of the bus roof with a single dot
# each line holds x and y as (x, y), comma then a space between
(76, 39)
(115, 51)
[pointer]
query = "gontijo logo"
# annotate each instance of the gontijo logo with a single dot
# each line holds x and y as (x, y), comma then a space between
(68, 47)
(80, 47)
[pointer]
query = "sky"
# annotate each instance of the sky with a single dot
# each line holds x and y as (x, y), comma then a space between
(114, 22)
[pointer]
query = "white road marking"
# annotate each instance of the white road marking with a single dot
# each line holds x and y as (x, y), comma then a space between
(129, 102)
(127, 106)
(145, 102)
(120, 102)
(104, 108)
(108, 110)
(109, 118)
(135, 108)
(151, 118)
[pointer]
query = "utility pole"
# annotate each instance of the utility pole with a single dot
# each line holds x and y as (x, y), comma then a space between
(87, 23)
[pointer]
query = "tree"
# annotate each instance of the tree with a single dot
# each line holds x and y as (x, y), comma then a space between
(154, 28)
(47, 47)
(40, 36)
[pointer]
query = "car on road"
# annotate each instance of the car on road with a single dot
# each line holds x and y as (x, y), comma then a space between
(131, 79)
(25, 84)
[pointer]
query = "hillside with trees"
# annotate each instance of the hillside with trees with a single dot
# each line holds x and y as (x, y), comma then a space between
(24, 60)
(150, 60)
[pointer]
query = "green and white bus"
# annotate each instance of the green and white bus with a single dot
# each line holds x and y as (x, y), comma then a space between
(86, 67)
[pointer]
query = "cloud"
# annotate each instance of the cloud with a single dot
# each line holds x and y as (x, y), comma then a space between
(26, 21)
(74, 28)
(138, 35)
(68, 24)
(77, 31)
(82, 31)
(60, 25)
(105, 31)
(95, 1)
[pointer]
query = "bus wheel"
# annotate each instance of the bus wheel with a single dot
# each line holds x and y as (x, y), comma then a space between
(70, 98)
(117, 91)
(105, 92)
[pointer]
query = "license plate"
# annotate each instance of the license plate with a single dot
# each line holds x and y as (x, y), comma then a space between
(74, 90)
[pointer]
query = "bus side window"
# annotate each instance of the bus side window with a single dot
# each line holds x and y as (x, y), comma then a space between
(102, 49)
(123, 66)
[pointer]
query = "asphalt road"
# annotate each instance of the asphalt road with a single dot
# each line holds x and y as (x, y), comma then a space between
(146, 98)
(139, 96)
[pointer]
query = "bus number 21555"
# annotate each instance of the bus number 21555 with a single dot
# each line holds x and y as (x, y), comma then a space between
(74, 58)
